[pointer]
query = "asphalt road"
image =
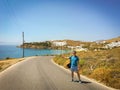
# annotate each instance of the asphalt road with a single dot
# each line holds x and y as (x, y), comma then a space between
(40, 73)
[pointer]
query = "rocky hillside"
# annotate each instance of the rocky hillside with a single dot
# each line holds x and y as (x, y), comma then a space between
(113, 40)
(97, 45)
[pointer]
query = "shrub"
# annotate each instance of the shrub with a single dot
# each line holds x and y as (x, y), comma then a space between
(82, 62)
(101, 74)
(110, 77)
(7, 57)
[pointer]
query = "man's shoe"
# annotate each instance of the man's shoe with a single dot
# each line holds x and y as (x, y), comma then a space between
(80, 81)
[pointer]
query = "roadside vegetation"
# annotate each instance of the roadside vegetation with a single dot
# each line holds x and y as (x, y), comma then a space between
(103, 65)
(8, 62)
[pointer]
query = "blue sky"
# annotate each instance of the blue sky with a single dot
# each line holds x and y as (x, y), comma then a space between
(40, 20)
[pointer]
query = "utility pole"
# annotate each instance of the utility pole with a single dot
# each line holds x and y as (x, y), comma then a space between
(61, 49)
(23, 43)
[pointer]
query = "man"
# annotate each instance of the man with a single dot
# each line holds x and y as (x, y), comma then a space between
(74, 60)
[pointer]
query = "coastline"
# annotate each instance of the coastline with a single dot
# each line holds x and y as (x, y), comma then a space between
(11, 51)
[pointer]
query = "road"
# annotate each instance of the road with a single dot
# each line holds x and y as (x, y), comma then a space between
(40, 73)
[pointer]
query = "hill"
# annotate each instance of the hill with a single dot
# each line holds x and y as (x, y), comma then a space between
(56, 44)
(51, 45)
(103, 65)
(113, 39)
(37, 45)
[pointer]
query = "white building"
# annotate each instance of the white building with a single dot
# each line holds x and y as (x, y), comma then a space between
(100, 41)
(77, 48)
(112, 45)
(82, 49)
(59, 43)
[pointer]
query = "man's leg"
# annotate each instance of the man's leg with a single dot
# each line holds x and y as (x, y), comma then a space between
(72, 74)
(78, 74)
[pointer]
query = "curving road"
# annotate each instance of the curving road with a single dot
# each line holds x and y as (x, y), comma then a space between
(40, 73)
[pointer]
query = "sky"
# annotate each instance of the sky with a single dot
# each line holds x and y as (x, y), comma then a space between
(41, 20)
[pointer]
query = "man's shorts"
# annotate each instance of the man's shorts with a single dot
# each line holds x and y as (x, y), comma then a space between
(74, 69)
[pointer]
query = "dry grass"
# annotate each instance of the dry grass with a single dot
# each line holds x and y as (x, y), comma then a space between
(103, 65)
(114, 39)
(7, 63)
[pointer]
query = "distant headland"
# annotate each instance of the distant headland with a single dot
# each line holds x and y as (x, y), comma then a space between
(73, 45)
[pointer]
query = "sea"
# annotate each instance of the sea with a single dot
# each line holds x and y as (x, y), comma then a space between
(12, 51)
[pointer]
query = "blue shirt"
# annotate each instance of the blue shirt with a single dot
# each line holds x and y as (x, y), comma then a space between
(74, 61)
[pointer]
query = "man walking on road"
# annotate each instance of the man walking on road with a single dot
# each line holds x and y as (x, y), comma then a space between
(74, 65)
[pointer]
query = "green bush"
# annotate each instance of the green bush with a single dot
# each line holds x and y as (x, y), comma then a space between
(82, 62)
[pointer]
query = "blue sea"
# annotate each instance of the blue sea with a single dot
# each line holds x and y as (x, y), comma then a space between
(14, 52)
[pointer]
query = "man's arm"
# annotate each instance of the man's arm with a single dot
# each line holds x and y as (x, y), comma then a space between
(78, 64)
